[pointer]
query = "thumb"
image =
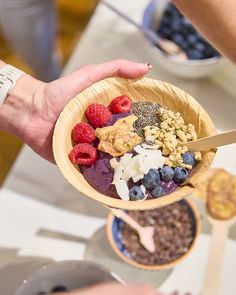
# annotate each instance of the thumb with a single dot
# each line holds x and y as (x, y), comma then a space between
(70, 85)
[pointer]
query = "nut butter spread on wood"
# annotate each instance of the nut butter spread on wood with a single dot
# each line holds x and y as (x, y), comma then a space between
(118, 139)
(221, 195)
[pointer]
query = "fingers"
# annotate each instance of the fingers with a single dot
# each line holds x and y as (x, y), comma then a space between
(89, 74)
(117, 289)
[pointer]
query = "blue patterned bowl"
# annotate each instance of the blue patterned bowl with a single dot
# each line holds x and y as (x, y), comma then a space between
(114, 226)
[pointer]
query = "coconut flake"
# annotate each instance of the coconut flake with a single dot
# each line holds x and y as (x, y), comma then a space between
(122, 190)
(126, 158)
(143, 189)
(138, 149)
(117, 174)
(134, 167)
(131, 169)
(114, 163)
(138, 177)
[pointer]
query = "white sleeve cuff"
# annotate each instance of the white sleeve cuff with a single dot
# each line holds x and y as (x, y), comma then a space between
(8, 77)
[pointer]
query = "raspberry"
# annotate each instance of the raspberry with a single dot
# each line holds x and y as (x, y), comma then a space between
(83, 133)
(98, 115)
(120, 104)
(83, 153)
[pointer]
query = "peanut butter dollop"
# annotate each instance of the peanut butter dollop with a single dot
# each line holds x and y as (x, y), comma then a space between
(118, 139)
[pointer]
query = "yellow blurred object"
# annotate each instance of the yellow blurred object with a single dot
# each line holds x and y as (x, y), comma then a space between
(221, 195)
(217, 188)
(79, 6)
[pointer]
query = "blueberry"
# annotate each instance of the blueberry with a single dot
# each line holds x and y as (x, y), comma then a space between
(192, 38)
(200, 46)
(166, 173)
(189, 159)
(195, 54)
(187, 30)
(156, 171)
(165, 21)
(177, 38)
(184, 44)
(180, 174)
(135, 193)
(210, 51)
(176, 13)
(170, 8)
(164, 31)
(59, 288)
(167, 14)
(151, 179)
(177, 24)
(158, 192)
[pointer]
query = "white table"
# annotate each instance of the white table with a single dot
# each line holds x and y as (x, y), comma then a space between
(37, 205)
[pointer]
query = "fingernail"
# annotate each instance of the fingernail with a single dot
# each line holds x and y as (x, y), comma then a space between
(148, 65)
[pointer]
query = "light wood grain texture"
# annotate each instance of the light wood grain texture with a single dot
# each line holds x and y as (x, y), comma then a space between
(198, 224)
(213, 273)
(221, 209)
(209, 142)
(144, 89)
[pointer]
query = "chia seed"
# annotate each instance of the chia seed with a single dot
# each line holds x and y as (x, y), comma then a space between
(147, 113)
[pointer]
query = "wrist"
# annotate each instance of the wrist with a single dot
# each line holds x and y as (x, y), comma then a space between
(19, 105)
(2, 63)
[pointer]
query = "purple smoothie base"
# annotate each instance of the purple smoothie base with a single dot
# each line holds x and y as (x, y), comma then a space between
(100, 177)
(116, 117)
(100, 174)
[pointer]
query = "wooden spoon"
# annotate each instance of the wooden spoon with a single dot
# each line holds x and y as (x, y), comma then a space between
(213, 274)
(145, 233)
(167, 46)
(209, 142)
(221, 207)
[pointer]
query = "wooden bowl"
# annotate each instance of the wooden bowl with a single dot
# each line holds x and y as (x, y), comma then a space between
(144, 89)
(110, 235)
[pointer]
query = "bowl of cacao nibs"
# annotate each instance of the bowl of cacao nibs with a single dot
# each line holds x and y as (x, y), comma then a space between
(121, 143)
(176, 228)
(169, 23)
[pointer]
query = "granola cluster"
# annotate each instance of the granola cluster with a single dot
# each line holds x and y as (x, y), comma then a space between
(171, 136)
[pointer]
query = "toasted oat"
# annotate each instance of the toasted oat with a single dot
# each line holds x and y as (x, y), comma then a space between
(170, 136)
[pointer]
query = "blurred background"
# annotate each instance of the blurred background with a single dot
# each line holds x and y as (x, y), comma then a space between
(73, 17)
(42, 216)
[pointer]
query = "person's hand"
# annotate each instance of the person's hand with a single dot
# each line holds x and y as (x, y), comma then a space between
(31, 111)
(115, 289)
(118, 289)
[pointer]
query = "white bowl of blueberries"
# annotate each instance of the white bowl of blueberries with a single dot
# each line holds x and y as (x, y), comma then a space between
(169, 23)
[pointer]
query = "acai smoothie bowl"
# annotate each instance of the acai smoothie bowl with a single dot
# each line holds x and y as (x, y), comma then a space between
(122, 143)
